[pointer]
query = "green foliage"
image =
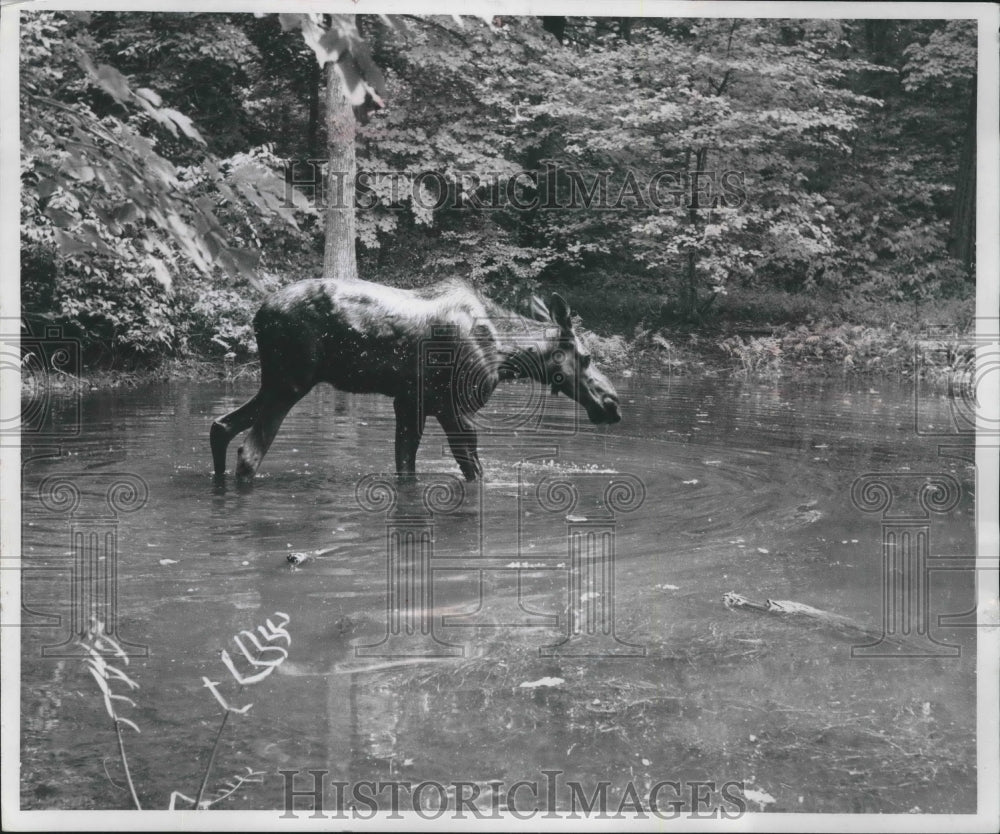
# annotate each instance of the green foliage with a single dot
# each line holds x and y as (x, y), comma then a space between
(154, 212)
(109, 223)
(757, 356)
(202, 63)
(945, 60)
(340, 43)
(821, 196)
(728, 96)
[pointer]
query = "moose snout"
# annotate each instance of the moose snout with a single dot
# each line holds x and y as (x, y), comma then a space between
(612, 409)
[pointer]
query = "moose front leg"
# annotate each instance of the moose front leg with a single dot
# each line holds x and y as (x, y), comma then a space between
(409, 429)
(226, 428)
(272, 409)
(463, 441)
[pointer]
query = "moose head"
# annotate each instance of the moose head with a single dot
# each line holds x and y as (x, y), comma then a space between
(568, 366)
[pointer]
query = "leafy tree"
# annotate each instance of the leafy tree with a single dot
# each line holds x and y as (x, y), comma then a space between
(158, 184)
(670, 111)
(108, 221)
(453, 132)
(352, 81)
(944, 65)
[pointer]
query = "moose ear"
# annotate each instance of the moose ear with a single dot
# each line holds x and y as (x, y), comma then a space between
(559, 311)
(539, 310)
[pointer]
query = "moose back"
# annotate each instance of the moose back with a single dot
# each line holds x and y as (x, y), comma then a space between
(367, 338)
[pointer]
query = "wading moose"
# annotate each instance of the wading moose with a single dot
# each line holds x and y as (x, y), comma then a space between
(368, 338)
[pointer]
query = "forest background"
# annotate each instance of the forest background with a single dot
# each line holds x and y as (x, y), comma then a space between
(774, 193)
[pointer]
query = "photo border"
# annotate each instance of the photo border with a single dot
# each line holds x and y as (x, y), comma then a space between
(988, 474)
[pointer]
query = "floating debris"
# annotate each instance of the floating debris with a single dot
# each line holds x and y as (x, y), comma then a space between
(542, 682)
(801, 614)
(300, 556)
(762, 798)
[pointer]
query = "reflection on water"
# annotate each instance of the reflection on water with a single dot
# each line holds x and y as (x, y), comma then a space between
(744, 488)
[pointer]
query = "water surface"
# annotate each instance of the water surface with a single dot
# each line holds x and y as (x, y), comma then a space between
(747, 489)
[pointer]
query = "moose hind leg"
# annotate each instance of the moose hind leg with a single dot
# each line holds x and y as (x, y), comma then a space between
(410, 419)
(272, 410)
(463, 442)
(226, 428)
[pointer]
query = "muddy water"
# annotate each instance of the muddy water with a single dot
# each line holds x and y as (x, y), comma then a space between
(609, 606)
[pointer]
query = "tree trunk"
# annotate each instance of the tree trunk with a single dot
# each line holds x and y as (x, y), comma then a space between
(315, 82)
(962, 236)
(694, 220)
(339, 259)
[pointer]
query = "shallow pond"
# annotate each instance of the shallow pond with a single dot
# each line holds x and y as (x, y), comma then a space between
(590, 565)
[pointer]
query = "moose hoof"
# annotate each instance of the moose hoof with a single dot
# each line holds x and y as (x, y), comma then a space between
(244, 468)
(219, 440)
(472, 471)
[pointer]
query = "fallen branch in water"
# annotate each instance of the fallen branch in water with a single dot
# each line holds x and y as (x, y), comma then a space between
(800, 613)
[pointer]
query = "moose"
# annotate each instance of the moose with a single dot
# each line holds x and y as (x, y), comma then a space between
(363, 337)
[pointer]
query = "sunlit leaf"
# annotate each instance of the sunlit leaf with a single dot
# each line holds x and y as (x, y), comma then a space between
(113, 83)
(184, 123)
(149, 95)
(84, 173)
(161, 272)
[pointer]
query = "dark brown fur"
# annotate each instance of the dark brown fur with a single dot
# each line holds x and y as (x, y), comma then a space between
(368, 338)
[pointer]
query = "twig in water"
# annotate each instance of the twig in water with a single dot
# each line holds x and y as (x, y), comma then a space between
(94, 641)
(271, 633)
